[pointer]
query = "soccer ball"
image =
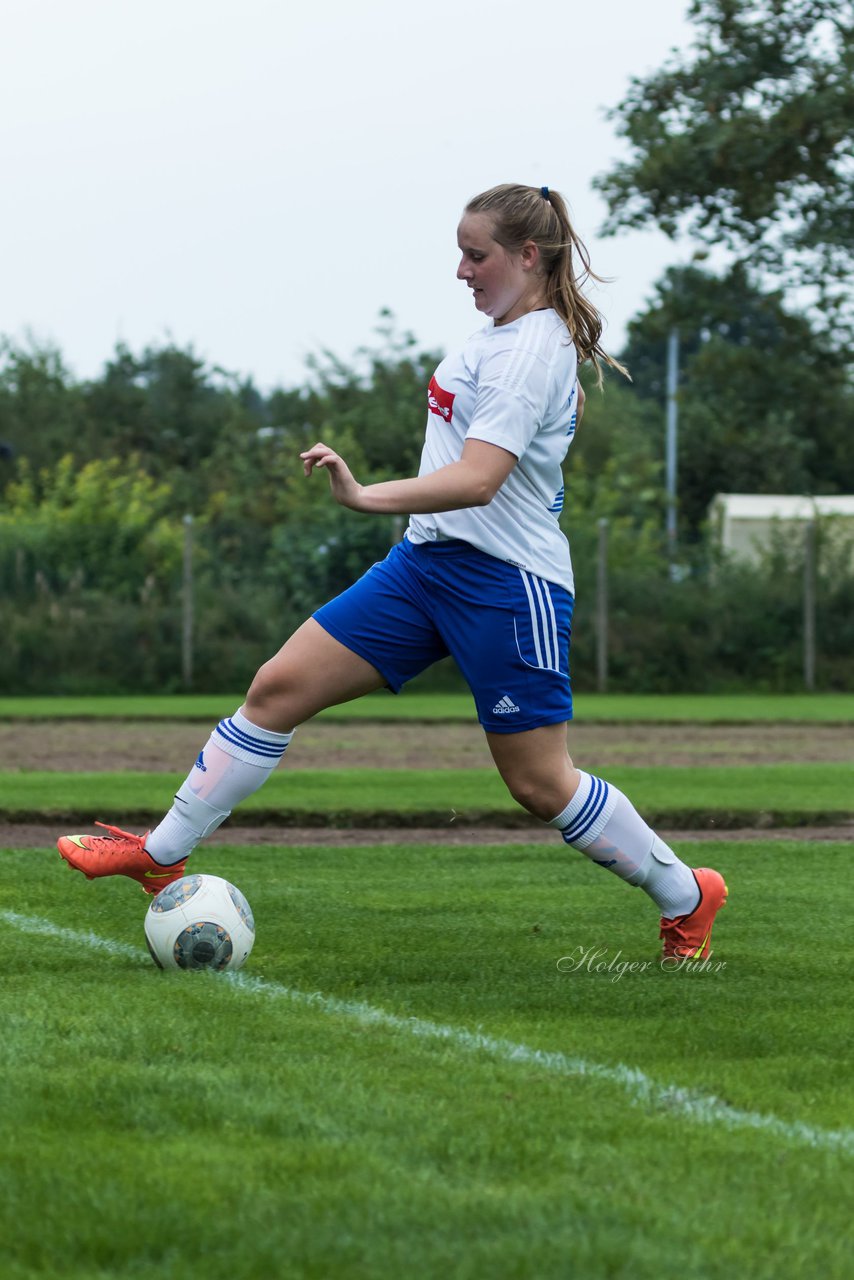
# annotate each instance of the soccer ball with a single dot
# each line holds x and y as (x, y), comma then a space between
(199, 922)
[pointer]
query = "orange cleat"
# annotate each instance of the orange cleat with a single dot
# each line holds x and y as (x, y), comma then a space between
(118, 854)
(689, 937)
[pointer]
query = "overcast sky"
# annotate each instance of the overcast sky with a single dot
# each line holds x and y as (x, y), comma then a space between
(258, 178)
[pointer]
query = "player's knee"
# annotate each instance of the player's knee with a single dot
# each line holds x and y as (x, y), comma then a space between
(529, 792)
(543, 792)
(270, 687)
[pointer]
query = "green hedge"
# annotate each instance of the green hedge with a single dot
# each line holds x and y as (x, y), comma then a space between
(727, 629)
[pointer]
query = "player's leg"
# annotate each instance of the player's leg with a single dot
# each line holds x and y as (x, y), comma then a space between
(371, 636)
(591, 814)
(311, 671)
(509, 632)
(536, 768)
(596, 818)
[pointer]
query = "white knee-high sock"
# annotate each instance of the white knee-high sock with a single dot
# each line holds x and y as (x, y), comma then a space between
(604, 825)
(237, 758)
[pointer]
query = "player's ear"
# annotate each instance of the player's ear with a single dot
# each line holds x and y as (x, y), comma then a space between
(530, 255)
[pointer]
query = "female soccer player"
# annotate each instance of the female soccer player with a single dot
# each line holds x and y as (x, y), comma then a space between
(483, 573)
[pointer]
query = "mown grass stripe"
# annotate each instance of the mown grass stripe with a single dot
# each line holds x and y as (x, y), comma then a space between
(824, 708)
(641, 1089)
(718, 795)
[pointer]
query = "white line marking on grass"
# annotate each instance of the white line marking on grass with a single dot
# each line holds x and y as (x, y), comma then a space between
(641, 1089)
(32, 924)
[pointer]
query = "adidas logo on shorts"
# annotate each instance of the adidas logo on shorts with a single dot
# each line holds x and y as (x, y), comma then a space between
(504, 707)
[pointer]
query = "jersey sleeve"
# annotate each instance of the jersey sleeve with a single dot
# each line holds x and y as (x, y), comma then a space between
(511, 400)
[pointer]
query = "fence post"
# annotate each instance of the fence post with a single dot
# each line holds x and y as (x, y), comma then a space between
(670, 449)
(810, 556)
(187, 606)
(602, 608)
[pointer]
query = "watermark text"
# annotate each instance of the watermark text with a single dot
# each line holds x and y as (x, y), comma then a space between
(600, 960)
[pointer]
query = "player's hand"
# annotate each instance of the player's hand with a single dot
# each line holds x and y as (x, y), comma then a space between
(342, 484)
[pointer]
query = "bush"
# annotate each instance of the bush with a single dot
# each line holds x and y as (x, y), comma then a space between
(90, 570)
(720, 628)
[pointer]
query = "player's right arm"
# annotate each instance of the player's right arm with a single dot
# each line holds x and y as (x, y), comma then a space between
(472, 481)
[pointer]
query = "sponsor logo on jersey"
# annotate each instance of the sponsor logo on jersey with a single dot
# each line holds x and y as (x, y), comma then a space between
(504, 707)
(440, 401)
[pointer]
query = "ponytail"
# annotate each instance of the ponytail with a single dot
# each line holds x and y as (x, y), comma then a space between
(520, 214)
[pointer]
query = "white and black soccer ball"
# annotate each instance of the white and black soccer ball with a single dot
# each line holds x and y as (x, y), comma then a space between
(200, 922)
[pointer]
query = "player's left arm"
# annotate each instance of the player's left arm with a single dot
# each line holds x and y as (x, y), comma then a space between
(473, 481)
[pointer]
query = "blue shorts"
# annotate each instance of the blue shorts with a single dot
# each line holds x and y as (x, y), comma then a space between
(507, 630)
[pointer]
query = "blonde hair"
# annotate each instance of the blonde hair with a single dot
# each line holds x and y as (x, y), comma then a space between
(520, 214)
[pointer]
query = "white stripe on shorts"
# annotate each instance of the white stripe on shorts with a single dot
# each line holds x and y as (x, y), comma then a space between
(537, 648)
(547, 591)
(543, 621)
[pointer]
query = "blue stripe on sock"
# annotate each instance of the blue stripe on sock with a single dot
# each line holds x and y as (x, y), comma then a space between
(599, 804)
(592, 796)
(249, 737)
(589, 812)
(269, 750)
(229, 728)
(251, 740)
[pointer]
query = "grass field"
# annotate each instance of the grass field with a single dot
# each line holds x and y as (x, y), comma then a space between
(703, 708)
(440, 1061)
(785, 794)
(408, 1082)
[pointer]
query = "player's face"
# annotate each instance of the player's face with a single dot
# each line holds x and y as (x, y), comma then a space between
(504, 285)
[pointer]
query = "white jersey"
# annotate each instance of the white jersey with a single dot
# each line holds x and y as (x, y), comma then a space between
(514, 386)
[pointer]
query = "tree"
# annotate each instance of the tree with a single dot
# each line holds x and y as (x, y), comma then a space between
(104, 527)
(42, 411)
(381, 400)
(615, 470)
(765, 404)
(747, 142)
(171, 410)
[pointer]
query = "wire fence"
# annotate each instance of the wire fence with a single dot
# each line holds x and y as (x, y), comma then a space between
(786, 623)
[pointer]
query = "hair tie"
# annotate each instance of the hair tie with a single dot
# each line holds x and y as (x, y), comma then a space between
(544, 192)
